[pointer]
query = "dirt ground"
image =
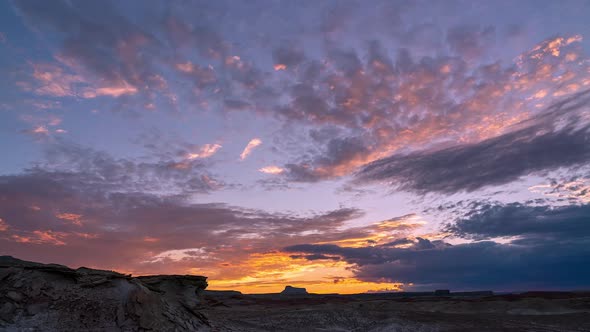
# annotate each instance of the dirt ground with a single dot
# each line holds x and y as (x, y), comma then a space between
(527, 312)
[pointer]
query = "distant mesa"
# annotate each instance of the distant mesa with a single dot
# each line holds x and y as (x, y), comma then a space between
(290, 290)
(442, 292)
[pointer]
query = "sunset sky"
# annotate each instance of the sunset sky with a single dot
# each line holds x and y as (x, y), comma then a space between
(341, 146)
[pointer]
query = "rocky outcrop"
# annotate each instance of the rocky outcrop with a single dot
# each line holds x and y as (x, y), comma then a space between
(50, 297)
(290, 290)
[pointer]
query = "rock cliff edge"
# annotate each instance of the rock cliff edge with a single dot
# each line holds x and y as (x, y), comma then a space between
(51, 297)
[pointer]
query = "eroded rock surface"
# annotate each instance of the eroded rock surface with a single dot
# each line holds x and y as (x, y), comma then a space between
(50, 297)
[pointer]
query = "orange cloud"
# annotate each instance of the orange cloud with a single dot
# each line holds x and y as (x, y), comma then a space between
(248, 149)
(115, 90)
(42, 237)
(280, 66)
(73, 218)
(270, 272)
(381, 232)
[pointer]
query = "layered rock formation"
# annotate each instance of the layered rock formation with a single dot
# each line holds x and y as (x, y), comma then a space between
(50, 297)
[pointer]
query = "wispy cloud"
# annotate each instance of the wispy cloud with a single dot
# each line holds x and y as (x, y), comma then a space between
(271, 170)
(205, 151)
(73, 218)
(250, 147)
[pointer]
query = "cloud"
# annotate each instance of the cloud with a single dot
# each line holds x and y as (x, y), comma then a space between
(80, 166)
(384, 104)
(42, 126)
(42, 237)
(315, 257)
(575, 189)
(128, 231)
(271, 170)
(112, 91)
(40, 130)
(471, 266)
(54, 82)
(74, 218)
(140, 232)
(557, 138)
(341, 155)
(470, 41)
(561, 223)
(3, 225)
(546, 249)
(178, 255)
(287, 57)
(250, 147)
(205, 151)
(106, 47)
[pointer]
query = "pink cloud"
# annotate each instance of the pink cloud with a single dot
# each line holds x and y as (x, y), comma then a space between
(250, 147)
(3, 225)
(271, 170)
(205, 151)
(111, 91)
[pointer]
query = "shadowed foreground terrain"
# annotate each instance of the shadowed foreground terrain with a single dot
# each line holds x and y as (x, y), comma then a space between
(41, 297)
(50, 297)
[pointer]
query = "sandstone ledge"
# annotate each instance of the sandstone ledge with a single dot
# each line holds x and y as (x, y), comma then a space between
(51, 297)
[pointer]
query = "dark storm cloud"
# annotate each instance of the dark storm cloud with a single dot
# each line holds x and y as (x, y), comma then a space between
(549, 251)
(558, 138)
(561, 223)
(315, 257)
(398, 242)
(532, 264)
(488, 265)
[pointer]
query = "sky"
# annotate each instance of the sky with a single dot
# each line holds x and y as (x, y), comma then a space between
(342, 146)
